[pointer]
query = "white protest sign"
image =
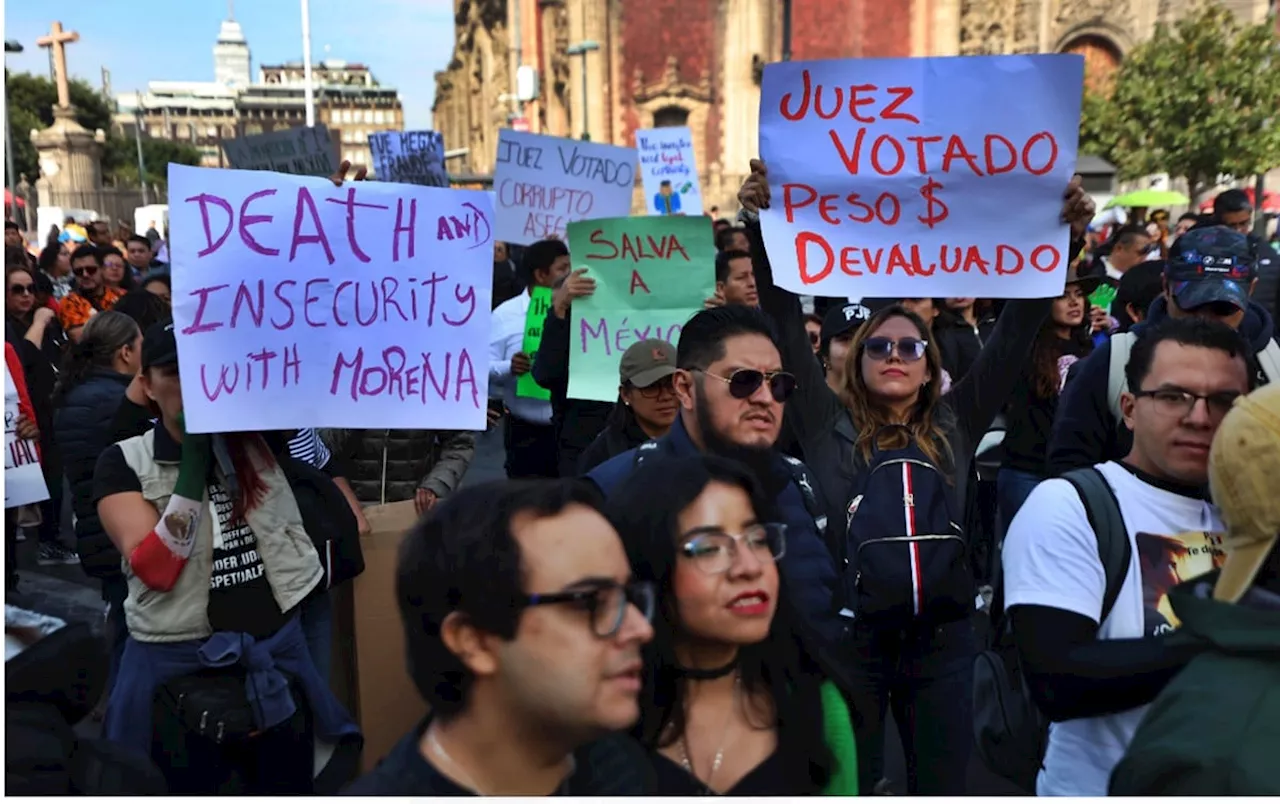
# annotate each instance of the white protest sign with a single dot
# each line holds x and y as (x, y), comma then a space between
(669, 172)
(23, 478)
(409, 157)
(302, 304)
(302, 151)
(546, 183)
(903, 178)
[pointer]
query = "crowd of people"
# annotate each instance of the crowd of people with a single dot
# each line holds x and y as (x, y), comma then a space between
(1037, 532)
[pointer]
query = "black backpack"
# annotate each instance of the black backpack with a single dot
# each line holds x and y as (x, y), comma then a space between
(910, 558)
(328, 520)
(1010, 733)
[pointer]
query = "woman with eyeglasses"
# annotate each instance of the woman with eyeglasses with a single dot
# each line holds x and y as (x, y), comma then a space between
(734, 701)
(893, 457)
(116, 273)
(646, 406)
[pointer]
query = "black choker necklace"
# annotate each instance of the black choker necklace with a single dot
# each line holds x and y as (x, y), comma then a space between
(710, 674)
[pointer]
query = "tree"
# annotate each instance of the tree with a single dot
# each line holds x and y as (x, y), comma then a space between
(1195, 101)
(31, 101)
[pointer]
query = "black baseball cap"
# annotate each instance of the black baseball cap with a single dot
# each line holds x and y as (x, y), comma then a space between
(843, 320)
(1211, 264)
(159, 346)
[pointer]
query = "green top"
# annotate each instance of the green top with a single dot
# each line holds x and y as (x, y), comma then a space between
(838, 725)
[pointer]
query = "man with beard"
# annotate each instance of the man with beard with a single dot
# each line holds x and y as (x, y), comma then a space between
(731, 389)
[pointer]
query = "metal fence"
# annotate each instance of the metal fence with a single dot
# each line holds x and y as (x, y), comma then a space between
(114, 204)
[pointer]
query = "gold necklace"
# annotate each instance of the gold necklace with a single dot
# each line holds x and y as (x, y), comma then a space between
(719, 757)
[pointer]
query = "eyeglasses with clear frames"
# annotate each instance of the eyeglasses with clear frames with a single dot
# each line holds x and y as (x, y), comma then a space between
(605, 603)
(715, 552)
(1179, 402)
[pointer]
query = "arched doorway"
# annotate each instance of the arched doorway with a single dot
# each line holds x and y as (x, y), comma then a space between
(1101, 60)
(670, 117)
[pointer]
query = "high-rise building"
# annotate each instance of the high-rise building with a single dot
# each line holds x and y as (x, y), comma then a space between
(348, 100)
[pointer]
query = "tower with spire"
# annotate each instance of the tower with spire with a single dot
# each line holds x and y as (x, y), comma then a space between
(231, 58)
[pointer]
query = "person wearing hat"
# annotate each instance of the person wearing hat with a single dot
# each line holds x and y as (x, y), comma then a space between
(646, 406)
(1209, 274)
(1139, 287)
(838, 327)
(1062, 340)
(1215, 729)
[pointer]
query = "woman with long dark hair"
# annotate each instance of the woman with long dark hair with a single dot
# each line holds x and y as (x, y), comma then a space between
(55, 263)
(734, 701)
(217, 563)
(36, 336)
(1062, 339)
(116, 273)
(91, 386)
(892, 455)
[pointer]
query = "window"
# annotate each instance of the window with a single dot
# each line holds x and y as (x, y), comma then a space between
(181, 131)
(670, 117)
(368, 116)
(378, 117)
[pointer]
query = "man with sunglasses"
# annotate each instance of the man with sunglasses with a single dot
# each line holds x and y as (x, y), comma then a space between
(1092, 623)
(732, 389)
(1209, 274)
(523, 632)
(90, 296)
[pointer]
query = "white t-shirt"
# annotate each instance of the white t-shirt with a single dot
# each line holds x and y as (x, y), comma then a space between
(1051, 559)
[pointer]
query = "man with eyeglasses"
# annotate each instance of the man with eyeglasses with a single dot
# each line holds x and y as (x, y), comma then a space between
(1209, 274)
(732, 389)
(1090, 669)
(90, 296)
(523, 632)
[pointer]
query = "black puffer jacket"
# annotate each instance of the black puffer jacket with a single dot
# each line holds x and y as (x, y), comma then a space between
(82, 430)
(388, 466)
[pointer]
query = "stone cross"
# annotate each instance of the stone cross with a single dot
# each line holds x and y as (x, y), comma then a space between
(57, 40)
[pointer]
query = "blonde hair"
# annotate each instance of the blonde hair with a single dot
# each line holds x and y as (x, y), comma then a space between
(870, 417)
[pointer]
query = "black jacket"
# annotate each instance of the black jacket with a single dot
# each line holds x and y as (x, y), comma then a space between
(1267, 291)
(960, 343)
(577, 421)
(823, 424)
(1084, 431)
(387, 466)
(82, 430)
(619, 435)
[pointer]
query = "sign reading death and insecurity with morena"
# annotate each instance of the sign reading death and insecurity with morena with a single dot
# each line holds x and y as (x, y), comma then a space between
(545, 183)
(903, 178)
(300, 304)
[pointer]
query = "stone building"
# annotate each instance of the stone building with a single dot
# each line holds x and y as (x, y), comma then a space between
(348, 100)
(698, 62)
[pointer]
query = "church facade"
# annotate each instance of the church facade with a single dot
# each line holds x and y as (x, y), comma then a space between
(699, 62)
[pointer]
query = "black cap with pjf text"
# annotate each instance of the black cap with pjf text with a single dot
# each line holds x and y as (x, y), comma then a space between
(159, 346)
(843, 320)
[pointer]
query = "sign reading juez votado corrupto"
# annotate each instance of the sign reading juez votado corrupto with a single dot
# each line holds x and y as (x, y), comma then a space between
(902, 178)
(542, 184)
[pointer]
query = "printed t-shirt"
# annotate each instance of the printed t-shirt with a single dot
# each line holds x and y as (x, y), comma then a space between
(240, 599)
(75, 310)
(1050, 558)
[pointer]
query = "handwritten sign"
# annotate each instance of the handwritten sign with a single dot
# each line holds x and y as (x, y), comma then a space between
(669, 172)
(23, 477)
(920, 177)
(652, 274)
(301, 304)
(301, 151)
(539, 305)
(546, 183)
(409, 157)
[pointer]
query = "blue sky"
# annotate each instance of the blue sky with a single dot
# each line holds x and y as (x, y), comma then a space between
(403, 41)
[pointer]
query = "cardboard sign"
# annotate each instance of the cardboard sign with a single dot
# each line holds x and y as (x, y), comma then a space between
(23, 477)
(669, 171)
(301, 151)
(539, 306)
(409, 157)
(545, 183)
(302, 304)
(902, 178)
(652, 274)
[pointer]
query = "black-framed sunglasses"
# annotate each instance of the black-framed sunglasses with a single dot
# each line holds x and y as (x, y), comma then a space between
(909, 349)
(745, 382)
(88, 270)
(22, 290)
(605, 603)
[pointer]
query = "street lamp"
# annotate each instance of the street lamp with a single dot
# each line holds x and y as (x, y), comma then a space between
(309, 91)
(786, 30)
(10, 46)
(138, 116)
(582, 49)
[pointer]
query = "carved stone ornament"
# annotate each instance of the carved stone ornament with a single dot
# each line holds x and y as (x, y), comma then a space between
(1079, 12)
(671, 85)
